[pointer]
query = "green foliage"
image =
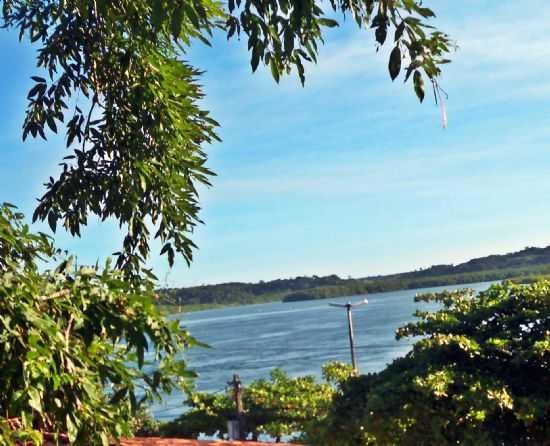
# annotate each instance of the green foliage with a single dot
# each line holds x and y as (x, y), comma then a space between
(208, 415)
(112, 79)
(285, 34)
(143, 423)
(280, 406)
(243, 293)
(480, 375)
(73, 344)
(136, 131)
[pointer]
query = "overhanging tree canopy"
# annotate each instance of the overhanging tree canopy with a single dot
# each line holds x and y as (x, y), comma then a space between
(127, 102)
(112, 78)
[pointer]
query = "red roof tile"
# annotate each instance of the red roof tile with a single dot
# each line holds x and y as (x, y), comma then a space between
(152, 441)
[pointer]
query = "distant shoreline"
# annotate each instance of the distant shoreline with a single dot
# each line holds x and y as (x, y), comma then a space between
(177, 309)
(527, 265)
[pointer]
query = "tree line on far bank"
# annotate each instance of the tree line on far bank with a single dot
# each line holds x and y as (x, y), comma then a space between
(523, 266)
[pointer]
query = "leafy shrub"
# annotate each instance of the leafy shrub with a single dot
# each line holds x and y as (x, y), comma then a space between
(208, 414)
(279, 406)
(73, 343)
(144, 424)
(480, 375)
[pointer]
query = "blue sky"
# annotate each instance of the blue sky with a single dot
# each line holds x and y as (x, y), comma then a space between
(349, 175)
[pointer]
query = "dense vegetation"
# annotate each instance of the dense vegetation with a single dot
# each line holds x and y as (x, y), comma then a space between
(480, 375)
(526, 265)
(67, 340)
(279, 406)
(244, 293)
(73, 343)
(111, 77)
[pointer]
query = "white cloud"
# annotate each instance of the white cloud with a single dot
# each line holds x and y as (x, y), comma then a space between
(505, 47)
(427, 172)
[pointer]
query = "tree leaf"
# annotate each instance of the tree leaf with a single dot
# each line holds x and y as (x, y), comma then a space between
(418, 85)
(381, 33)
(51, 124)
(330, 23)
(157, 14)
(52, 220)
(274, 70)
(395, 63)
(399, 31)
(425, 12)
(255, 60)
(34, 400)
(177, 17)
(72, 430)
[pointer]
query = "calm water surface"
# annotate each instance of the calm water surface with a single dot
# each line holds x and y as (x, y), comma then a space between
(298, 337)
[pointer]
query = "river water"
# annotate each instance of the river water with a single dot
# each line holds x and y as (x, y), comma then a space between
(298, 337)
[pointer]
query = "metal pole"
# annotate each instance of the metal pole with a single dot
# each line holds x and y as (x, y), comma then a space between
(351, 341)
(348, 308)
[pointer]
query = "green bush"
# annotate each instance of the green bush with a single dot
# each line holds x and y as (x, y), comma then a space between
(73, 343)
(479, 376)
(144, 424)
(279, 406)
